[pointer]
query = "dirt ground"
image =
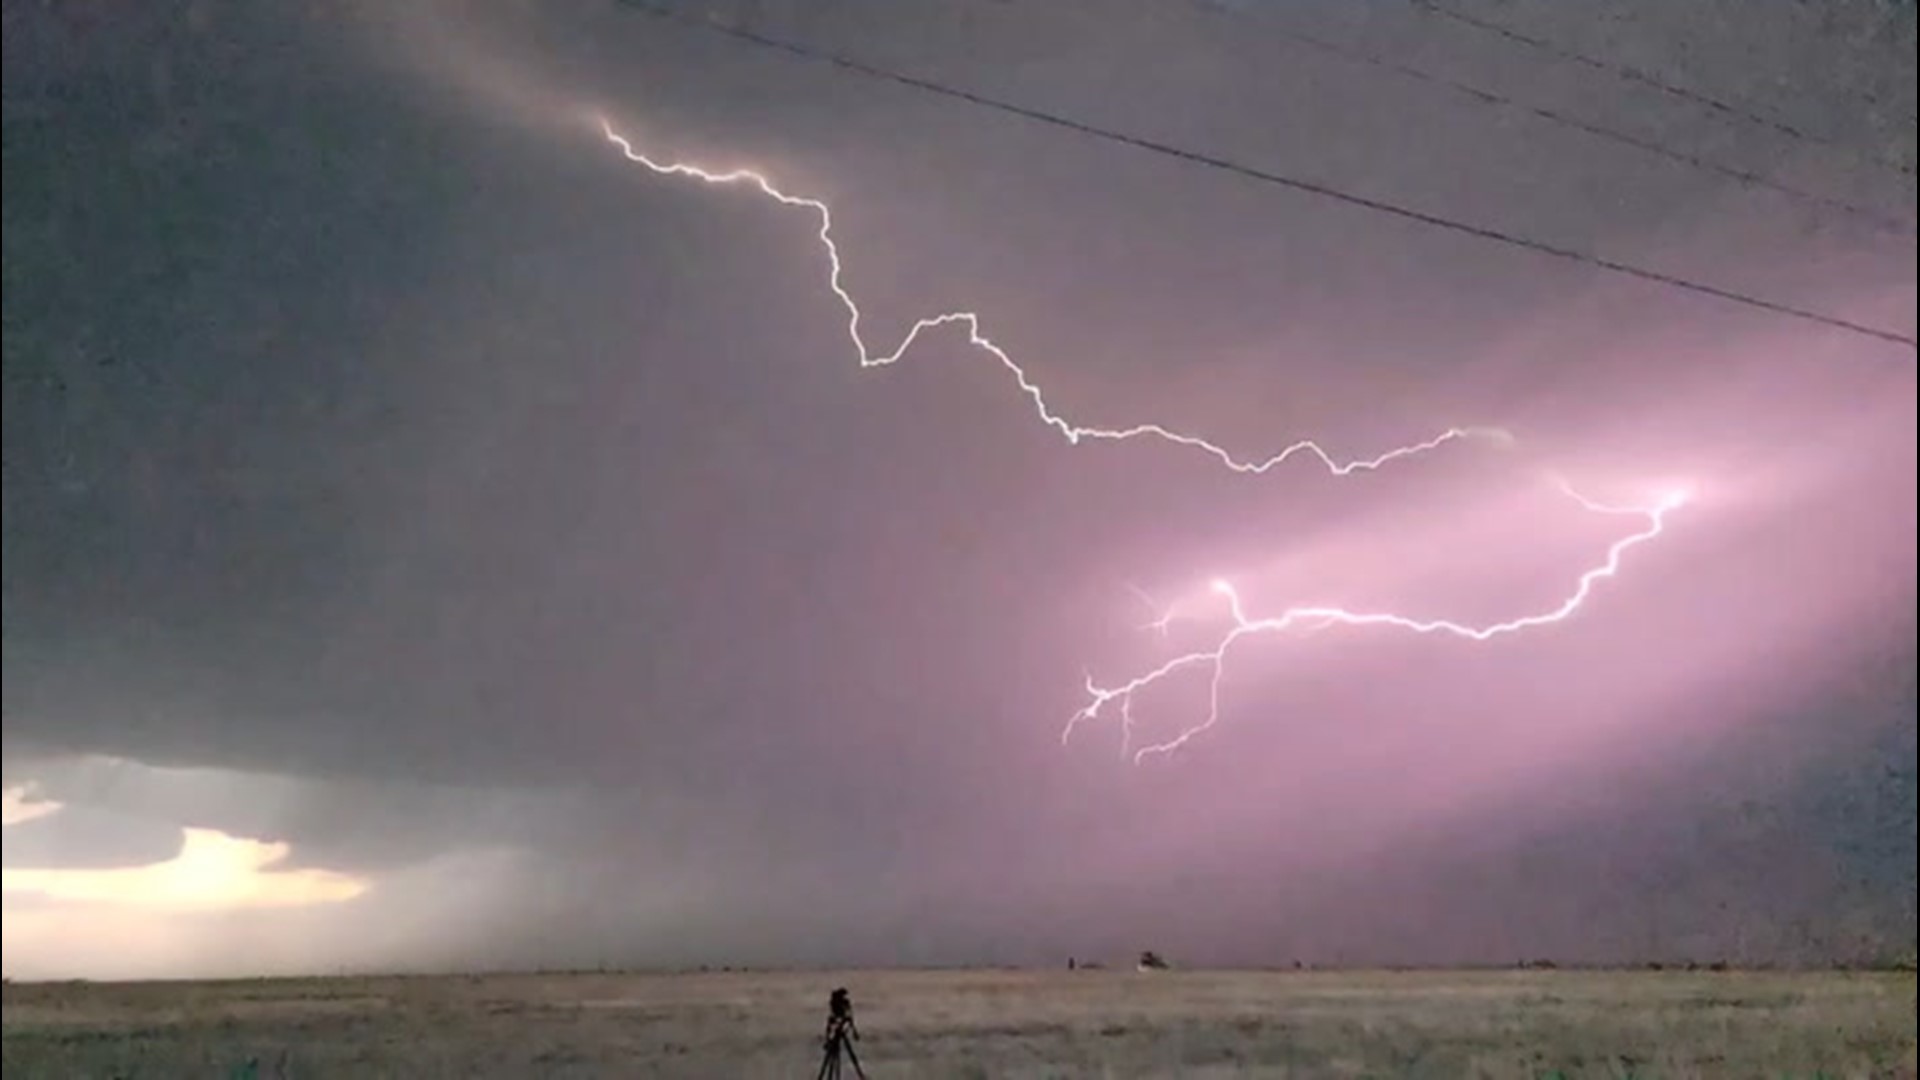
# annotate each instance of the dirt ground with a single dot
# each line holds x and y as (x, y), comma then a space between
(977, 1024)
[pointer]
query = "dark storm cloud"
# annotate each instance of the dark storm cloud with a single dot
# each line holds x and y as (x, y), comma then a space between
(88, 838)
(391, 470)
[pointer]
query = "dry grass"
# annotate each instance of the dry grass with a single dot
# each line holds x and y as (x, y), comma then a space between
(979, 1024)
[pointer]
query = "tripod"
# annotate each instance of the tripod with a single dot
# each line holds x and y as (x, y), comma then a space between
(840, 1036)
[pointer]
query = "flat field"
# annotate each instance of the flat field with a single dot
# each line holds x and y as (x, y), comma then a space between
(977, 1024)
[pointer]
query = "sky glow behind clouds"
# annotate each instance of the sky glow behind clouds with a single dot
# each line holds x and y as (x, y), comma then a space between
(421, 487)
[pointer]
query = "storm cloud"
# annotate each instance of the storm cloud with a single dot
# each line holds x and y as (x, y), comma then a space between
(395, 472)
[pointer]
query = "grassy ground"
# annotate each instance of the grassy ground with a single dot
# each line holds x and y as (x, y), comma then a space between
(978, 1024)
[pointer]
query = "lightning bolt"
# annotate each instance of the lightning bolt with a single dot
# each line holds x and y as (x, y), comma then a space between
(1313, 619)
(1305, 619)
(1073, 433)
(1163, 618)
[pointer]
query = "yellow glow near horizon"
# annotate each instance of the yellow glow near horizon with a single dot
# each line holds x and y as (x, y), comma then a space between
(213, 871)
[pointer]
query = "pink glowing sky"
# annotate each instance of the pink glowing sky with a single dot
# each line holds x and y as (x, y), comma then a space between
(513, 535)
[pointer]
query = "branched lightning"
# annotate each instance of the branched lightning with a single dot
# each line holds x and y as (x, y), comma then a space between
(1213, 660)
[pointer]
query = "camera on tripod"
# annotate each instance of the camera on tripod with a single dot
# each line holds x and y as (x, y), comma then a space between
(840, 1036)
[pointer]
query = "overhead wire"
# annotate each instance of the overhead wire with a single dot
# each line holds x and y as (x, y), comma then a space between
(1876, 217)
(1671, 89)
(1310, 187)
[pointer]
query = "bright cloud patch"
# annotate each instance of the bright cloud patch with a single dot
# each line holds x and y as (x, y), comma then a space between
(18, 806)
(213, 871)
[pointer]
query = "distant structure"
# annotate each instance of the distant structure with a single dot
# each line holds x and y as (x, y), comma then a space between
(1152, 961)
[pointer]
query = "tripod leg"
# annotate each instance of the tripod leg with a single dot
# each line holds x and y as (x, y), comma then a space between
(855, 1058)
(829, 1065)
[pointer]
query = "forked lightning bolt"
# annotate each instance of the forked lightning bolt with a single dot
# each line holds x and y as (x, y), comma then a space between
(1211, 660)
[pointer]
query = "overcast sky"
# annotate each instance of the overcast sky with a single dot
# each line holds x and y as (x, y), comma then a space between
(496, 554)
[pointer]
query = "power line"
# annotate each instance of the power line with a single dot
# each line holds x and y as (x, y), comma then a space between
(1674, 90)
(1249, 172)
(1488, 97)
